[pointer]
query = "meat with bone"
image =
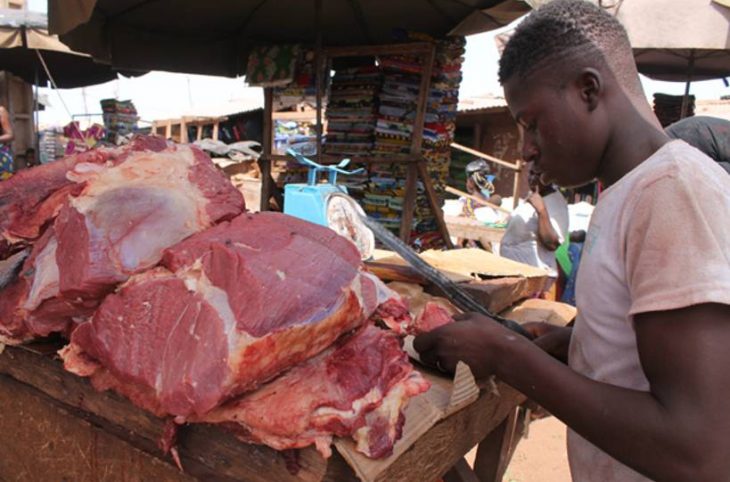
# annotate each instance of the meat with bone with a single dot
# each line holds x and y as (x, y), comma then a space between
(357, 388)
(231, 308)
(113, 218)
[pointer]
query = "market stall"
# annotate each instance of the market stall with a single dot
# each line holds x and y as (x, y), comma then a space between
(65, 428)
(378, 137)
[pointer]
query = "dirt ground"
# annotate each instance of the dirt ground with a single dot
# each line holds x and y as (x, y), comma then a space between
(541, 457)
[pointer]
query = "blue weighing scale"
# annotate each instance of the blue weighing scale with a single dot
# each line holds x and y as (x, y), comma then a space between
(327, 203)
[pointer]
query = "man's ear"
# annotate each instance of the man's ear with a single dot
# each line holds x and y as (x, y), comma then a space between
(590, 86)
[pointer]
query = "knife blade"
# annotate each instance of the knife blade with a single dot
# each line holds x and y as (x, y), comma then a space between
(457, 295)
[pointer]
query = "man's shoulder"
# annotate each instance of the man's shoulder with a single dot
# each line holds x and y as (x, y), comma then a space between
(678, 162)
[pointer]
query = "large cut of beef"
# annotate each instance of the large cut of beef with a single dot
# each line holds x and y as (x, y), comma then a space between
(229, 309)
(96, 219)
(357, 388)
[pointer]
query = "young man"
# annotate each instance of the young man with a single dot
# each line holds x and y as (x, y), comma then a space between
(647, 389)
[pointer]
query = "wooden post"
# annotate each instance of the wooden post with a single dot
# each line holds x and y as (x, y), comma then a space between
(183, 131)
(494, 452)
(319, 62)
(433, 203)
(409, 202)
(267, 147)
(516, 188)
(216, 126)
(168, 129)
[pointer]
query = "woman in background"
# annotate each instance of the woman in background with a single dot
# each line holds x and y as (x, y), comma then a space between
(6, 137)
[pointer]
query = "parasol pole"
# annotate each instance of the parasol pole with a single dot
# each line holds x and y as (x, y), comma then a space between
(319, 73)
(690, 73)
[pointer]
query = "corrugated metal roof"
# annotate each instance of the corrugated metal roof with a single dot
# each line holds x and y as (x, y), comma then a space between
(482, 103)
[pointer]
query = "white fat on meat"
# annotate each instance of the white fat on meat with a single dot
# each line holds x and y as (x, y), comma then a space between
(46, 278)
(154, 183)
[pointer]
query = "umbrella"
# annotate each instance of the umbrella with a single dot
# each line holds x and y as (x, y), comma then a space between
(25, 45)
(683, 40)
(216, 37)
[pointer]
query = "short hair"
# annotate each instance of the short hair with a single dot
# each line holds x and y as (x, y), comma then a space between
(568, 29)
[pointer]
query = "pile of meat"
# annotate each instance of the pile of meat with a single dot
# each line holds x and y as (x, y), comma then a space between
(169, 293)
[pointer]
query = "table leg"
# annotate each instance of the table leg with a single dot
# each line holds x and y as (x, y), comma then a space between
(494, 452)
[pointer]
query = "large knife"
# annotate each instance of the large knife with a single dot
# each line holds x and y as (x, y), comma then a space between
(461, 298)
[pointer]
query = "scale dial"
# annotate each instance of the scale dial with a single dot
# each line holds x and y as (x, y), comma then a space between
(343, 217)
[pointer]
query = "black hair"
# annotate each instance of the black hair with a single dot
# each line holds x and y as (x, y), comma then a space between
(568, 29)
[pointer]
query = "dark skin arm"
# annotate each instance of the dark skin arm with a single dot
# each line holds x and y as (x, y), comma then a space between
(546, 234)
(7, 129)
(677, 431)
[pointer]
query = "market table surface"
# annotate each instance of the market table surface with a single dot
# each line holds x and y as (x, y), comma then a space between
(63, 429)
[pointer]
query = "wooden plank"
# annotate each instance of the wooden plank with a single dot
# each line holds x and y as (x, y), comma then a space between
(376, 50)
(458, 192)
(43, 441)
(394, 272)
(446, 443)
(535, 309)
(467, 228)
(486, 157)
(205, 451)
(461, 472)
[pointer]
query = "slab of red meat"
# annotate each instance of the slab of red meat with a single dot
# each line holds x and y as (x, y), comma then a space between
(113, 221)
(233, 306)
(33, 197)
(357, 388)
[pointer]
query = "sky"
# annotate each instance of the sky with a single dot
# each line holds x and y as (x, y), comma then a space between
(163, 95)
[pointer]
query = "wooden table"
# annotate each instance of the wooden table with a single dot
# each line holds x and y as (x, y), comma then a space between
(56, 426)
(467, 228)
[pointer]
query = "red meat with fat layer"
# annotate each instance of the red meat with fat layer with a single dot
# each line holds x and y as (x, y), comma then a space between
(357, 388)
(233, 307)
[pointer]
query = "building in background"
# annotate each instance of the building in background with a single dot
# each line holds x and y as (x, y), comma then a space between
(14, 4)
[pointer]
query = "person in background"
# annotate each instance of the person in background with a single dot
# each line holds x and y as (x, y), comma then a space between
(6, 138)
(537, 228)
(575, 249)
(711, 135)
(646, 389)
(479, 185)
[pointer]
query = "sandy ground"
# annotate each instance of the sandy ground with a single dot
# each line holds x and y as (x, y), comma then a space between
(541, 457)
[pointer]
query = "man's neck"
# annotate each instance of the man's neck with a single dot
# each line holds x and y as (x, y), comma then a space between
(632, 141)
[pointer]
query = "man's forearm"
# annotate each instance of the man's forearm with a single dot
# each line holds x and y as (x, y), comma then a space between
(545, 232)
(629, 425)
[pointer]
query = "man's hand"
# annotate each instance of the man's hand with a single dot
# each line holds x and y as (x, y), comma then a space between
(553, 339)
(474, 339)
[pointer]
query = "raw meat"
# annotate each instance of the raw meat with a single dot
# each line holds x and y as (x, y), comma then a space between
(358, 388)
(31, 198)
(427, 312)
(231, 308)
(113, 218)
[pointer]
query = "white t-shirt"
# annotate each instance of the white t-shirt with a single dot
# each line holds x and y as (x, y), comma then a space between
(520, 241)
(658, 240)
